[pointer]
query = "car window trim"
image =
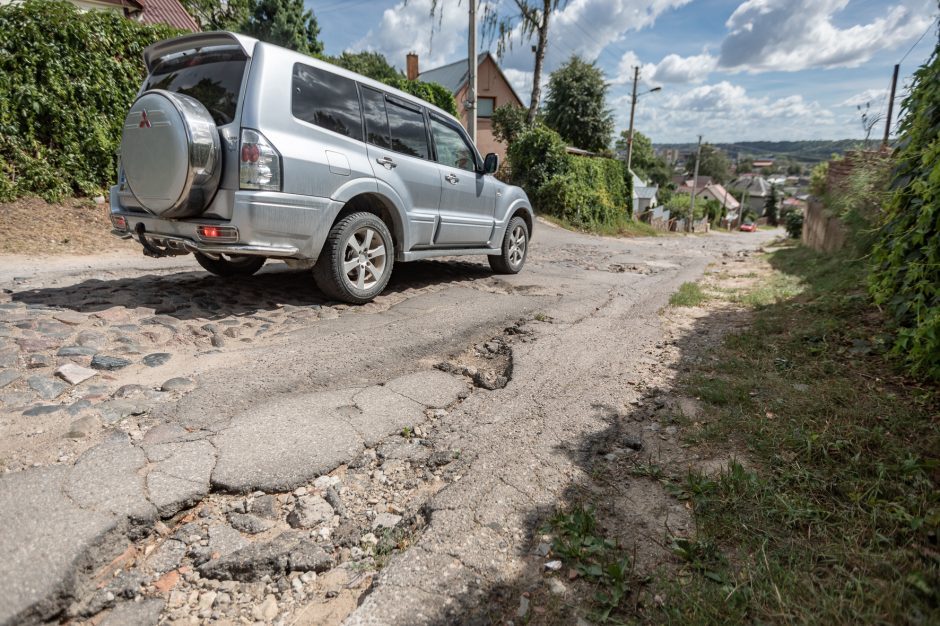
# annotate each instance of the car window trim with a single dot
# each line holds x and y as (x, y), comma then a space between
(365, 129)
(478, 167)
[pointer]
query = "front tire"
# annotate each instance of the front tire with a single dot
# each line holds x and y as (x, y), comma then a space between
(514, 249)
(357, 258)
(243, 265)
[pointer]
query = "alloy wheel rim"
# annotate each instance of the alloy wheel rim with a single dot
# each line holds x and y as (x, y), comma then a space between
(517, 245)
(364, 259)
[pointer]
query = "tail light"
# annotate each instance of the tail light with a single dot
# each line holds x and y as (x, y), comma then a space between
(259, 163)
(118, 222)
(220, 234)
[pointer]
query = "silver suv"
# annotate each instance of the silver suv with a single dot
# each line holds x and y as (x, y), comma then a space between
(238, 151)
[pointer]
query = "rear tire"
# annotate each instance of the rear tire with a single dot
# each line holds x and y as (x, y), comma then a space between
(231, 266)
(357, 259)
(514, 250)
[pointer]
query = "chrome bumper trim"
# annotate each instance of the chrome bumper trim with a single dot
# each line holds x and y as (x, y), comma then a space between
(194, 246)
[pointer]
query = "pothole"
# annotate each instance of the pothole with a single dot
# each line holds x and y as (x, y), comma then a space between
(273, 557)
(488, 364)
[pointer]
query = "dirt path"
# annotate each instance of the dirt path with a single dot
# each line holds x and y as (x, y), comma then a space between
(248, 450)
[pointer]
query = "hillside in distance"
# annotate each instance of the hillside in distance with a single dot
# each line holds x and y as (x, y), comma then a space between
(802, 151)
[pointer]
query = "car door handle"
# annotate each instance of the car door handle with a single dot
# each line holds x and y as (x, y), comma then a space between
(387, 162)
(452, 179)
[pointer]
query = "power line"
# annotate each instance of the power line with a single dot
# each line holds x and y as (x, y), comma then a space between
(919, 40)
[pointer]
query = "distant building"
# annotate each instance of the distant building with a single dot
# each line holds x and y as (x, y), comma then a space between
(762, 163)
(684, 183)
(644, 195)
(493, 90)
(755, 188)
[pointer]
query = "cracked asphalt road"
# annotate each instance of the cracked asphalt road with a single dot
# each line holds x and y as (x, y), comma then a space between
(276, 387)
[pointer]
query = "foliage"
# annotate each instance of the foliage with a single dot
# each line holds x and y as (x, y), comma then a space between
(537, 156)
(644, 161)
(218, 14)
(437, 95)
(371, 64)
(793, 221)
(509, 121)
(860, 198)
(597, 559)
(744, 166)
(576, 105)
(770, 206)
(581, 192)
(712, 209)
(284, 23)
(906, 258)
(817, 179)
(689, 294)
(834, 519)
(713, 162)
(593, 192)
(679, 205)
(67, 78)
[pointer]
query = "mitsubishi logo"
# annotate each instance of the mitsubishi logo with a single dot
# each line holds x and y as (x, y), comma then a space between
(144, 122)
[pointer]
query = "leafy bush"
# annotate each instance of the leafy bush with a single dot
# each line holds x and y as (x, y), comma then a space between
(537, 156)
(817, 179)
(905, 276)
(509, 121)
(67, 79)
(584, 192)
(793, 221)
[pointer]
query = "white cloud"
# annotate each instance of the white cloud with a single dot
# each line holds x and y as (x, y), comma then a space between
(409, 27)
(691, 69)
(792, 35)
(869, 95)
(726, 112)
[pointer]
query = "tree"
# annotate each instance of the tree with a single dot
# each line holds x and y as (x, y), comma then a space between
(713, 162)
(218, 14)
(371, 64)
(645, 164)
(744, 166)
(770, 206)
(285, 23)
(576, 105)
(532, 18)
(509, 121)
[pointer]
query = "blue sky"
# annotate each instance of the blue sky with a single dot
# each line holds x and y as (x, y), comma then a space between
(732, 70)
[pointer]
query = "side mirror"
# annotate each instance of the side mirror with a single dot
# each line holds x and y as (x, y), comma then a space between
(491, 163)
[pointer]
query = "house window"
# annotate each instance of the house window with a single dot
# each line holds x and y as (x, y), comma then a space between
(327, 100)
(485, 107)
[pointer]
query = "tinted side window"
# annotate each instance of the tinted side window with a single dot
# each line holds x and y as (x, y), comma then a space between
(373, 109)
(408, 133)
(452, 149)
(327, 100)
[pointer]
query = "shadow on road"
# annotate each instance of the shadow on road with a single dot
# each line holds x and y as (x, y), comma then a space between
(195, 294)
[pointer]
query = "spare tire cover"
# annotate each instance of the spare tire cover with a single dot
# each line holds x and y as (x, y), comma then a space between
(170, 152)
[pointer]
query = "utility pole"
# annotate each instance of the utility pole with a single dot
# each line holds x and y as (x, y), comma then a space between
(471, 103)
(698, 155)
(894, 85)
(636, 77)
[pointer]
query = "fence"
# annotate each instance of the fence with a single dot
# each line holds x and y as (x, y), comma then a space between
(821, 231)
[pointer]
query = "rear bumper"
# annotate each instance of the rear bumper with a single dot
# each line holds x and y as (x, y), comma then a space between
(269, 224)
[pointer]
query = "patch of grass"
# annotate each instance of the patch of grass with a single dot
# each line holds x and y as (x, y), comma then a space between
(597, 559)
(836, 520)
(623, 228)
(689, 294)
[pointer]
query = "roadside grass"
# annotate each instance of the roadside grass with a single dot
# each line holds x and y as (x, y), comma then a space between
(836, 517)
(622, 228)
(689, 294)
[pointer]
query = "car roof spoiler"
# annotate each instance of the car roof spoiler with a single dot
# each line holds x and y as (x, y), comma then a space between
(197, 41)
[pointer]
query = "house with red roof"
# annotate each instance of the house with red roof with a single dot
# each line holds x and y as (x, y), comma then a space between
(169, 12)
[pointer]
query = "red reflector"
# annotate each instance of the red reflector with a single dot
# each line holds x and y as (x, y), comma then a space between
(209, 231)
(119, 222)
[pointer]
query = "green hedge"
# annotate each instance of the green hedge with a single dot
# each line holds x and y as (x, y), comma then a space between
(67, 78)
(437, 95)
(586, 192)
(905, 277)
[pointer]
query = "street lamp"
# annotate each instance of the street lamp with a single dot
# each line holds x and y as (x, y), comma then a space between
(636, 78)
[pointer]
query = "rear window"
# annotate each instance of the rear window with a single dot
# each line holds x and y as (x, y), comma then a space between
(327, 100)
(214, 79)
